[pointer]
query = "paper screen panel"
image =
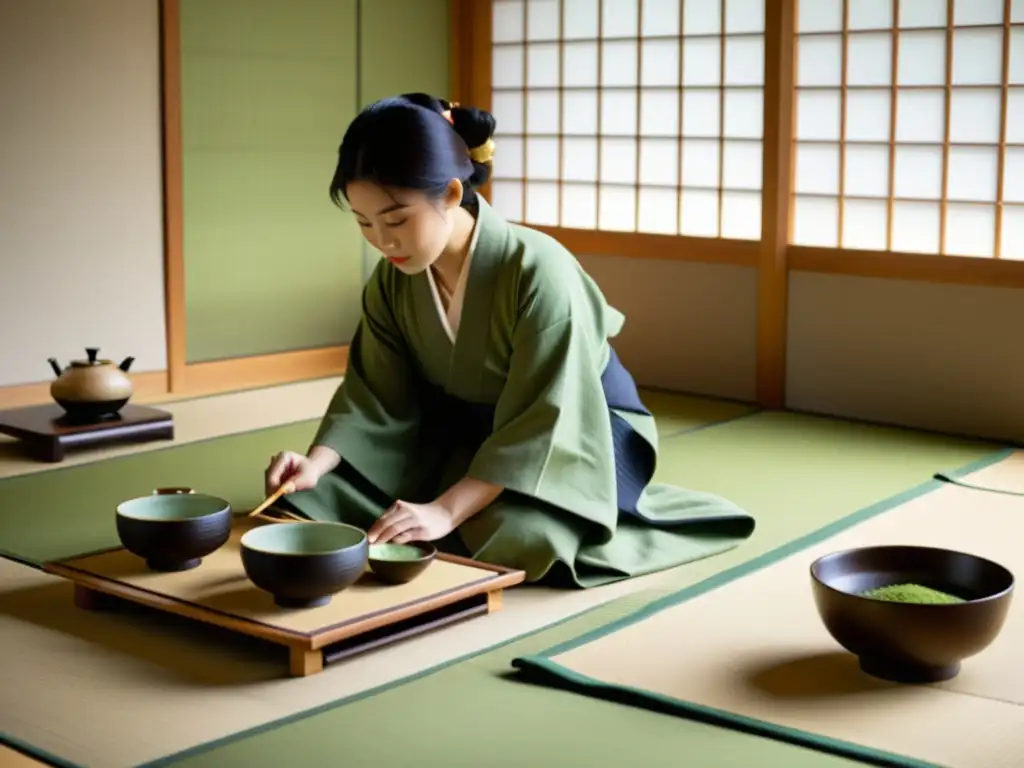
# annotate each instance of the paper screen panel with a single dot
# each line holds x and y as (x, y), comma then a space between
(606, 105)
(1013, 233)
(1015, 114)
(869, 14)
(923, 13)
(978, 12)
(544, 23)
(1016, 63)
(1012, 224)
(908, 120)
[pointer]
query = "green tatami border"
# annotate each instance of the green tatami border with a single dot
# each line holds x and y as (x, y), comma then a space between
(542, 670)
(754, 411)
(953, 478)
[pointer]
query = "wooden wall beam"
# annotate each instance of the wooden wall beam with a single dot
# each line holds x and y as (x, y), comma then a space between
(470, 45)
(264, 370)
(920, 267)
(772, 279)
(649, 245)
(173, 164)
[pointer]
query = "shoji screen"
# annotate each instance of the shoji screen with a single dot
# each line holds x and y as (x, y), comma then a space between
(630, 115)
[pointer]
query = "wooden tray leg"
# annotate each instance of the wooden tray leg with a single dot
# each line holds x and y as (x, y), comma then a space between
(303, 662)
(87, 599)
(494, 600)
(45, 448)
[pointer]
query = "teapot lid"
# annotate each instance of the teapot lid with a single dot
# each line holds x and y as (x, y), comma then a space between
(92, 352)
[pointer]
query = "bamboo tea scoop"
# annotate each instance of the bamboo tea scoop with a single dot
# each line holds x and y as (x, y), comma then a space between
(288, 487)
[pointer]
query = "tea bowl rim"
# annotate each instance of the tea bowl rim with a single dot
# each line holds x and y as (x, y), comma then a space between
(995, 596)
(245, 540)
(223, 506)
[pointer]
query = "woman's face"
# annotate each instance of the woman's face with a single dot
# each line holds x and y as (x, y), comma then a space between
(409, 228)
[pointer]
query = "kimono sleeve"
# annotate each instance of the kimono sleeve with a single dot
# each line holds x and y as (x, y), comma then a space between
(373, 416)
(551, 437)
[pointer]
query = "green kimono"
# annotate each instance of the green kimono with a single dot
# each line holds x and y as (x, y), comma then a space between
(527, 395)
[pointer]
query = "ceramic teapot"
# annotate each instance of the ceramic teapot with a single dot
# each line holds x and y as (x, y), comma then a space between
(92, 389)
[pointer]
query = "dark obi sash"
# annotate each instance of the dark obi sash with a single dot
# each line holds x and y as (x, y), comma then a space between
(635, 458)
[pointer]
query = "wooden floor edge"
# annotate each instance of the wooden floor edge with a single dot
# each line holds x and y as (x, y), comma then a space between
(214, 378)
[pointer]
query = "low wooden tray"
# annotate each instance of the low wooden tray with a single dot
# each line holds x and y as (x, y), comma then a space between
(367, 615)
(47, 433)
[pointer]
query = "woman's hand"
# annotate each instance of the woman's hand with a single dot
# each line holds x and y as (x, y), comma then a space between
(290, 466)
(304, 471)
(405, 522)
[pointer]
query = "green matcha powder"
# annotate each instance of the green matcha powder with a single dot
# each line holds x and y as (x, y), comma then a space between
(911, 593)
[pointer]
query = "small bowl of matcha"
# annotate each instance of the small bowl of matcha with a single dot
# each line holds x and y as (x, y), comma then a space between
(400, 563)
(911, 614)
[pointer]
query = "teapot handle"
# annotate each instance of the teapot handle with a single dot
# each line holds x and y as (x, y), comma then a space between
(171, 491)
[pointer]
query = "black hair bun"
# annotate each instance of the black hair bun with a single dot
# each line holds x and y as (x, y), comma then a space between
(475, 126)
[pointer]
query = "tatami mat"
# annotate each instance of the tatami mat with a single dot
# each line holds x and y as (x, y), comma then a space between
(793, 473)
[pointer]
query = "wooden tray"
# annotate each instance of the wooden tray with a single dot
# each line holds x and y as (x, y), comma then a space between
(367, 615)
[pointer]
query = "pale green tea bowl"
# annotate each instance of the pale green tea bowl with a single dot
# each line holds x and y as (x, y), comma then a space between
(173, 529)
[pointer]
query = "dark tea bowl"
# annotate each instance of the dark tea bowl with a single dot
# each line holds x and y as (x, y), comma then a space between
(400, 563)
(173, 529)
(303, 565)
(908, 642)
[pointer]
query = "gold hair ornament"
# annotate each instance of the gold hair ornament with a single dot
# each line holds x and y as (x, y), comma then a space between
(484, 153)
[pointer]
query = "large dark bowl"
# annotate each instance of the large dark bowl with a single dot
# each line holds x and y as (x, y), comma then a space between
(400, 563)
(908, 642)
(174, 529)
(304, 564)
